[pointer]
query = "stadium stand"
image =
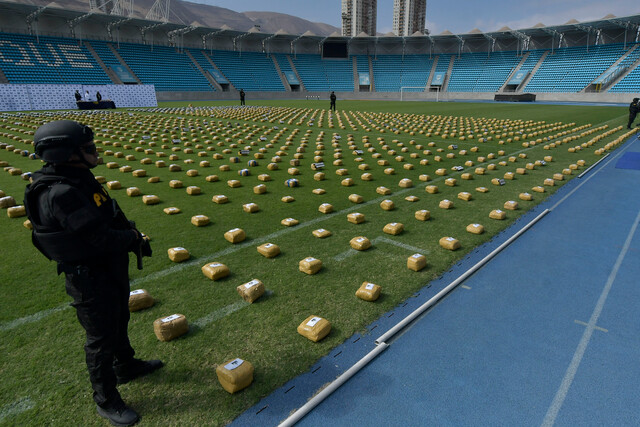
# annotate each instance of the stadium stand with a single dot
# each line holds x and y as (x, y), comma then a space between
(251, 71)
(413, 71)
(630, 82)
(48, 60)
(164, 67)
(482, 72)
(324, 75)
(573, 69)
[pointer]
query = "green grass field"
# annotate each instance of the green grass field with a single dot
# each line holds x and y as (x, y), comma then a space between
(44, 379)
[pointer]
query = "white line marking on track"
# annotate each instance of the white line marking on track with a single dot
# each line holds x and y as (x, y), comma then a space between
(561, 394)
(15, 408)
(598, 328)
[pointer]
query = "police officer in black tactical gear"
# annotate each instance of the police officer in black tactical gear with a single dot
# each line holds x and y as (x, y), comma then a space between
(78, 225)
(634, 108)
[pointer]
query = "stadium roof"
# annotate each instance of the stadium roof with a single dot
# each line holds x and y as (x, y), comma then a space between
(607, 22)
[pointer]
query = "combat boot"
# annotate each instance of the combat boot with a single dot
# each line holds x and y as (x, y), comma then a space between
(136, 368)
(118, 413)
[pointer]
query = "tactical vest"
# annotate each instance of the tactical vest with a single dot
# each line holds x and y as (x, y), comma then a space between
(55, 243)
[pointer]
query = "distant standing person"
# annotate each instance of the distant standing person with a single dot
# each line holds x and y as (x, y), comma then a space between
(78, 96)
(87, 97)
(634, 107)
(241, 96)
(332, 98)
(98, 96)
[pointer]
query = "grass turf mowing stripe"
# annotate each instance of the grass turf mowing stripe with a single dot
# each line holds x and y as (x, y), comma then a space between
(15, 408)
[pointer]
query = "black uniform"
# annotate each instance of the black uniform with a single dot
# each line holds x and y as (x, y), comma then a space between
(78, 96)
(75, 224)
(332, 98)
(634, 107)
(241, 96)
(98, 96)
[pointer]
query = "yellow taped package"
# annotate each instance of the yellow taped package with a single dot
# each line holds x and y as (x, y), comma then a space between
(466, 176)
(175, 183)
(310, 265)
(269, 250)
(264, 177)
(393, 228)
(387, 205)
(449, 243)
(366, 177)
(251, 291)
(356, 198)
(549, 182)
(321, 233)
(538, 189)
(511, 205)
(464, 195)
(133, 191)
(220, 199)
(234, 183)
(139, 300)
(314, 328)
(260, 189)
(250, 207)
(215, 270)
(7, 202)
(445, 204)
(235, 375)
(16, 211)
(451, 182)
(325, 208)
(114, 185)
(235, 235)
(355, 218)
(150, 199)
(347, 182)
(170, 327)
(178, 254)
(424, 178)
(431, 189)
(441, 172)
(153, 179)
(422, 215)
(368, 291)
(199, 220)
(497, 214)
(383, 190)
(193, 190)
(525, 196)
(475, 228)
(416, 262)
(139, 173)
(289, 222)
(319, 176)
(360, 243)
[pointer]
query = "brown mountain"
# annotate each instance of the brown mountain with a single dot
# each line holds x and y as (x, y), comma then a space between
(185, 12)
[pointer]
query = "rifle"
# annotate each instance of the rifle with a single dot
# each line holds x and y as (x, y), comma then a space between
(142, 247)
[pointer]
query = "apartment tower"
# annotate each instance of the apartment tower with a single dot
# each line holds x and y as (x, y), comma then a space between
(409, 16)
(359, 16)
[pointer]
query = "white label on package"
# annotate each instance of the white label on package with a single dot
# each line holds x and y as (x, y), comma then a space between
(170, 318)
(215, 264)
(233, 364)
(369, 286)
(179, 249)
(235, 229)
(313, 321)
(417, 256)
(137, 292)
(251, 284)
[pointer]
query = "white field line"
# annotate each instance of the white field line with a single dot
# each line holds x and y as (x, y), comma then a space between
(344, 255)
(15, 408)
(223, 312)
(232, 249)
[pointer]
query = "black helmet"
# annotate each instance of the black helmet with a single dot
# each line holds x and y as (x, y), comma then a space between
(56, 141)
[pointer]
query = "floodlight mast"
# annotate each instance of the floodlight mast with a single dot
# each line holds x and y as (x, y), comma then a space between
(33, 17)
(522, 37)
(159, 11)
(122, 8)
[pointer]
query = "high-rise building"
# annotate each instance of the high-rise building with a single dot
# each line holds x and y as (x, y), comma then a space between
(359, 16)
(409, 16)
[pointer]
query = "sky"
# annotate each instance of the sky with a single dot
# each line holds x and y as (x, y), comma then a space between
(457, 16)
